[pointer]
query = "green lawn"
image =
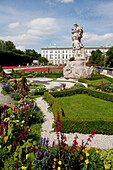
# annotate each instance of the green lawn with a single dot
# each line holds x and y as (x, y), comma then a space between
(84, 106)
(98, 82)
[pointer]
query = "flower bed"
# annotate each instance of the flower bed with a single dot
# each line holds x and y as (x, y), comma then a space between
(15, 127)
(16, 89)
(44, 69)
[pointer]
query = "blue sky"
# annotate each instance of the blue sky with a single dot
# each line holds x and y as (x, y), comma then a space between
(33, 24)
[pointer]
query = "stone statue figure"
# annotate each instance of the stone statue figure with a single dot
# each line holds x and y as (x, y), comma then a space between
(77, 68)
(76, 41)
(76, 37)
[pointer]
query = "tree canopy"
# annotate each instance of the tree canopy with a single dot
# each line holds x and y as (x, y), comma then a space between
(11, 56)
(96, 58)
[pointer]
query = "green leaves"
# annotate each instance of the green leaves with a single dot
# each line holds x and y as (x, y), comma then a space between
(5, 138)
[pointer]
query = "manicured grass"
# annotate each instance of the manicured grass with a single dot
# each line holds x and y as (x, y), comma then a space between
(98, 82)
(84, 106)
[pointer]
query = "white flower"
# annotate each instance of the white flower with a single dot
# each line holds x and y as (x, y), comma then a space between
(17, 120)
(0, 146)
(23, 121)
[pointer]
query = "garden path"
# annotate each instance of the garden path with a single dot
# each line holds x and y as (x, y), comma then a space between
(99, 140)
(5, 99)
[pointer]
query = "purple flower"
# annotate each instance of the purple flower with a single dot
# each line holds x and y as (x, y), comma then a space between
(47, 159)
(45, 154)
(41, 140)
(36, 160)
(53, 143)
(43, 163)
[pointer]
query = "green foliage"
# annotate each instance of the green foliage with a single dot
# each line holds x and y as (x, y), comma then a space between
(40, 91)
(72, 59)
(109, 59)
(77, 85)
(54, 105)
(96, 58)
(86, 125)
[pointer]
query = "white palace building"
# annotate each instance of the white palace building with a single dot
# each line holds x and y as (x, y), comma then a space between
(57, 55)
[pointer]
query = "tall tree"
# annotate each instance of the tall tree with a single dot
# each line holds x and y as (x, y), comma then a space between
(9, 46)
(32, 53)
(96, 58)
(109, 57)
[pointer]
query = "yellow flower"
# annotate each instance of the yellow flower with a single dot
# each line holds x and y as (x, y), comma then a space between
(27, 127)
(97, 151)
(87, 154)
(21, 125)
(33, 116)
(29, 130)
(55, 140)
(53, 166)
(24, 168)
(88, 148)
(87, 161)
(59, 168)
(83, 150)
(30, 115)
(27, 156)
(16, 123)
(106, 167)
(81, 158)
(59, 162)
(54, 159)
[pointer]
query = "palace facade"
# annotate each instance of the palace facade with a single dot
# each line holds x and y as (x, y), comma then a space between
(57, 55)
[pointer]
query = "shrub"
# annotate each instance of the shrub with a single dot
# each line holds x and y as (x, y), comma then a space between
(55, 106)
(40, 91)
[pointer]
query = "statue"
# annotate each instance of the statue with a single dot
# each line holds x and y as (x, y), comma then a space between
(77, 68)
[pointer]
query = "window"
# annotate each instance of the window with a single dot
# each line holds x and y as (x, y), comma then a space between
(55, 51)
(66, 56)
(51, 56)
(58, 51)
(63, 56)
(63, 51)
(58, 56)
(46, 51)
(51, 51)
(43, 51)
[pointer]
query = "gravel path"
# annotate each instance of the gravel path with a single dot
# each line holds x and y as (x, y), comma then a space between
(5, 99)
(99, 140)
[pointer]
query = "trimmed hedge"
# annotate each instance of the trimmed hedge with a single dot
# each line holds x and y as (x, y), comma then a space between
(82, 90)
(53, 103)
(86, 125)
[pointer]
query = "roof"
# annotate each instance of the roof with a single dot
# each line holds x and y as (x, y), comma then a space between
(69, 47)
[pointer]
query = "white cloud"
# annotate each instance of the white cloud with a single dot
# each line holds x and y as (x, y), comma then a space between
(52, 2)
(37, 30)
(94, 39)
(13, 25)
(65, 1)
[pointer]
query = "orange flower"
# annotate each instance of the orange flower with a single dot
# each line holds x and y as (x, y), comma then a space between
(81, 158)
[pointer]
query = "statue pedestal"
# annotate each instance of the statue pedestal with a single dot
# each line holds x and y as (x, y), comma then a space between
(77, 69)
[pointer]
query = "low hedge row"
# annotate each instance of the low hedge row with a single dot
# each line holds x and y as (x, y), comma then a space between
(53, 103)
(82, 90)
(85, 126)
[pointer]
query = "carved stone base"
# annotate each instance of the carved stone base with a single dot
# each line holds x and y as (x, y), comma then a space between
(77, 69)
